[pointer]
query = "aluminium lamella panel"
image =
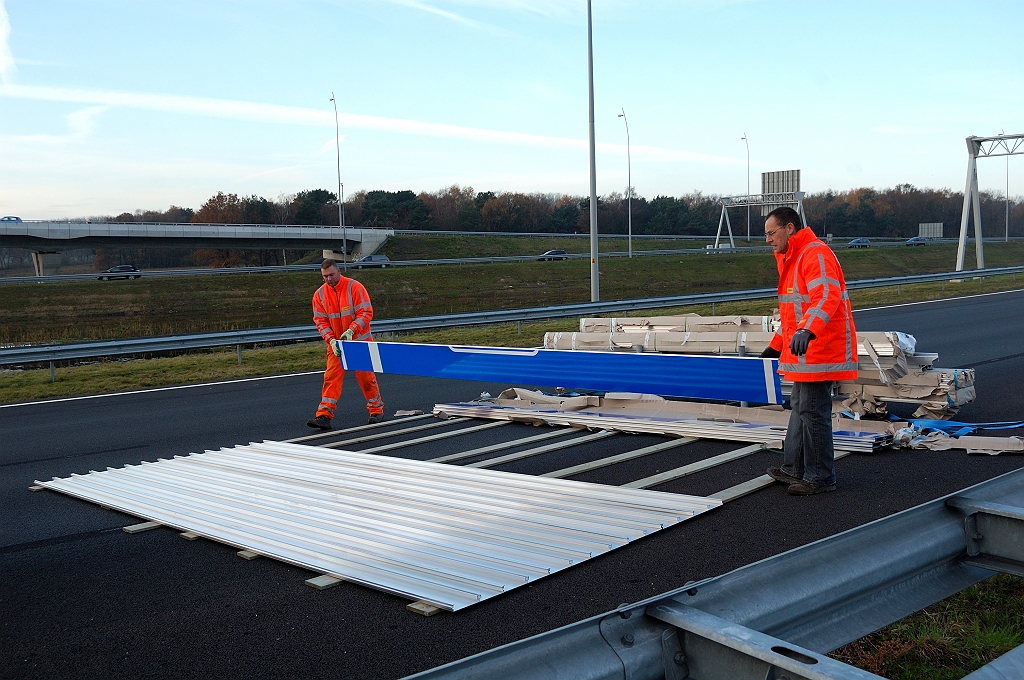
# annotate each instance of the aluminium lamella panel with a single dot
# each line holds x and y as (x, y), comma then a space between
(449, 535)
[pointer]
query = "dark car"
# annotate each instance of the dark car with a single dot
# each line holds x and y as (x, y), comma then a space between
(553, 255)
(121, 271)
(916, 241)
(860, 243)
(10, 218)
(372, 261)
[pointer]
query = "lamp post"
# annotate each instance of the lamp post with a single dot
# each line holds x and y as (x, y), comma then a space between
(341, 190)
(629, 184)
(744, 138)
(595, 284)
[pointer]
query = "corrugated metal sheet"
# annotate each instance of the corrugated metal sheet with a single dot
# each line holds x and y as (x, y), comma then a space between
(768, 435)
(449, 535)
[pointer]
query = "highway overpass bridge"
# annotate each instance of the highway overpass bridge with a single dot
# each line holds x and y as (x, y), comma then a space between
(47, 240)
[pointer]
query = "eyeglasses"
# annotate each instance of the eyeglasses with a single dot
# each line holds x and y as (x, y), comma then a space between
(769, 234)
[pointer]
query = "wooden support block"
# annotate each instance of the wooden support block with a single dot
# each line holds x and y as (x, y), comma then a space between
(247, 554)
(423, 607)
(36, 488)
(138, 528)
(189, 535)
(324, 582)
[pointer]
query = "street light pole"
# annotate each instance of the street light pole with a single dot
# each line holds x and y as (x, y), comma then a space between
(595, 284)
(341, 191)
(744, 138)
(629, 184)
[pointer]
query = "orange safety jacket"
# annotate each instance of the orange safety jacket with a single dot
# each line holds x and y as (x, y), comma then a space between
(812, 296)
(345, 306)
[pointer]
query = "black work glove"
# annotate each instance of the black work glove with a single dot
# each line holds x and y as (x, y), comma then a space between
(798, 345)
(770, 353)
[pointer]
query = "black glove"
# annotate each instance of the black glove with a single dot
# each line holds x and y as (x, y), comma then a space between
(798, 345)
(770, 353)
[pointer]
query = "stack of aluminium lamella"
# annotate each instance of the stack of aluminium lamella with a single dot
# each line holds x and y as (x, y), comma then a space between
(651, 414)
(891, 370)
(444, 534)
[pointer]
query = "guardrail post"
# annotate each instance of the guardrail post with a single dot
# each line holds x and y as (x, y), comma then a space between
(53, 373)
(239, 348)
(520, 324)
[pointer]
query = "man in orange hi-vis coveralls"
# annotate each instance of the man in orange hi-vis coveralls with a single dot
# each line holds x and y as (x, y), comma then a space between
(817, 346)
(342, 311)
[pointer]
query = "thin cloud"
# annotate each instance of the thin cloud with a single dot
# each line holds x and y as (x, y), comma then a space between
(451, 16)
(7, 66)
(293, 115)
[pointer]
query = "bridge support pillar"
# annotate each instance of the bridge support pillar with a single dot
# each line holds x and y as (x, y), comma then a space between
(44, 263)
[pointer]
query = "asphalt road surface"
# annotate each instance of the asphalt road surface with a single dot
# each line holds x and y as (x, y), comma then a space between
(81, 598)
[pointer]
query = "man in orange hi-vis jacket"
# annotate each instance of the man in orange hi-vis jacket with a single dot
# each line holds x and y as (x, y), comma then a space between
(817, 346)
(342, 311)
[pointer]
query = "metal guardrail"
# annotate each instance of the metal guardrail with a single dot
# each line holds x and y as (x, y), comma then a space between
(122, 347)
(777, 618)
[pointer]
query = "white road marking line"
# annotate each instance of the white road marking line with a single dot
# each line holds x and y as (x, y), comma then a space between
(158, 389)
(953, 299)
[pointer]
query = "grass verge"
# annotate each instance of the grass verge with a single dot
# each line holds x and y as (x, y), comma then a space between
(221, 364)
(90, 310)
(949, 639)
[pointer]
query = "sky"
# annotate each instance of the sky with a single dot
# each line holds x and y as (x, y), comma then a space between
(109, 106)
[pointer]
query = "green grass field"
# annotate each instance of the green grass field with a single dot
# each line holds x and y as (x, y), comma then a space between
(87, 310)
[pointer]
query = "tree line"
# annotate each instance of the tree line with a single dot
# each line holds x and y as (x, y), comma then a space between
(894, 212)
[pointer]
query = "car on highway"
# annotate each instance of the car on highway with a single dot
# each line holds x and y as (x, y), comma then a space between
(553, 255)
(916, 241)
(121, 271)
(372, 261)
(10, 218)
(860, 243)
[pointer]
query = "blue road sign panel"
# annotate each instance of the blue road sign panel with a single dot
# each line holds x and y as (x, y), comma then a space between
(748, 379)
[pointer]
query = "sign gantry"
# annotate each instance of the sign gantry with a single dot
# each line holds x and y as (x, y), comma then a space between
(981, 147)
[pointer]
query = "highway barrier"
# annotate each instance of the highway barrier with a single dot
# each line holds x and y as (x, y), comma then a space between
(170, 343)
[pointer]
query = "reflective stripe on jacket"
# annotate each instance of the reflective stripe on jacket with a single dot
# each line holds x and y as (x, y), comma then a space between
(337, 309)
(812, 296)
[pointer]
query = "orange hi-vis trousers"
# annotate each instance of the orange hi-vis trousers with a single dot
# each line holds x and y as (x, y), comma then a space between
(333, 377)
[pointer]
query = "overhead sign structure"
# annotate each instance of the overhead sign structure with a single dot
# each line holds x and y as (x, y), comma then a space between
(749, 379)
(778, 189)
(981, 147)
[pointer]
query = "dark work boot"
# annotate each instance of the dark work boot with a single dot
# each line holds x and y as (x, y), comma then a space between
(321, 422)
(803, 488)
(375, 418)
(780, 475)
